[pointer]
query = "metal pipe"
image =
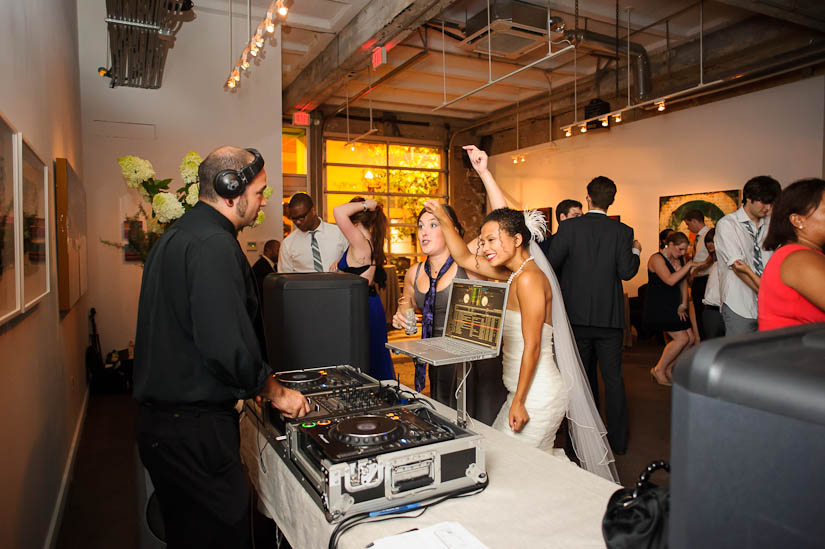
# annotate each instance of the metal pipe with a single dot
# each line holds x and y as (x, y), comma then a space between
(506, 76)
(132, 24)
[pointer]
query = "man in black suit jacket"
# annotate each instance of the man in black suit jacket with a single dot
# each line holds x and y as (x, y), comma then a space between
(267, 263)
(566, 209)
(593, 254)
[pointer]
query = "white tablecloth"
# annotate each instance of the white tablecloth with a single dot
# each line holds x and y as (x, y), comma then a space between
(534, 500)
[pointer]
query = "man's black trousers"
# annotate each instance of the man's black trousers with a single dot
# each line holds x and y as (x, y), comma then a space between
(603, 346)
(192, 454)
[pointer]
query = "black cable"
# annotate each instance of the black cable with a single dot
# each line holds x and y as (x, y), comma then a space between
(362, 518)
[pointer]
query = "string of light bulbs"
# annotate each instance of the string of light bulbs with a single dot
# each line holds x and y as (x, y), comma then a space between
(276, 13)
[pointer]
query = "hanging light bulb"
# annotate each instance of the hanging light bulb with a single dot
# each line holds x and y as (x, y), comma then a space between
(282, 9)
(568, 132)
(230, 83)
(244, 64)
(617, 118)
(253, 51)
(583, 128)
(515, 160)
(522, 159)
(605, 122)
(270, 26)
(352, 148)
(660, 106)
(369, 175)
(236, 75)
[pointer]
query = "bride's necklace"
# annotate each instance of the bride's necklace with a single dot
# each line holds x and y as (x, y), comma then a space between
(517, 271)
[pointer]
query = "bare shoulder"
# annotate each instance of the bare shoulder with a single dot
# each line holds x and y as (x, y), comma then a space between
(804, 259)
(532, 279)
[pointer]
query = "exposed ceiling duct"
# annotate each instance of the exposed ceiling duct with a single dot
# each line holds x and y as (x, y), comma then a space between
(140, 34)
(601, 42)
(514, 29)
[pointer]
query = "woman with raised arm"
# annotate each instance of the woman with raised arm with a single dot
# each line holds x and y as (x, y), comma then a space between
(364, 224)
(541, 387)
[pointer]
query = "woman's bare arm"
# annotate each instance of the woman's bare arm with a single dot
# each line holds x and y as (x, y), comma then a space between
(804, 271)
(359, 245)
(458, 250)
(530, 292)
(656, 263)
(478, 159)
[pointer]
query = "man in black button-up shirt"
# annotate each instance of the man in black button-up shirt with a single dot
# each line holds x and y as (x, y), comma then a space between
(197, 353)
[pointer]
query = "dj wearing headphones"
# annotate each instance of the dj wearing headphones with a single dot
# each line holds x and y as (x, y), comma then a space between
(197, 354)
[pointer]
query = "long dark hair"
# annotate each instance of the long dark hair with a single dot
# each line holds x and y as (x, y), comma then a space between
(801, 197)
(512, 222)
(453, 217)
(663, 237)
(376, 223)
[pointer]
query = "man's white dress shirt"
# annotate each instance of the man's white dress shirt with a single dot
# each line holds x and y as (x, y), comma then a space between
(701, 251)
(296, 250)
(734, 241)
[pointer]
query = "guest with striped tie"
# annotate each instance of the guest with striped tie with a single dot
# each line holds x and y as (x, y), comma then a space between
(741, 256)
(315, 246)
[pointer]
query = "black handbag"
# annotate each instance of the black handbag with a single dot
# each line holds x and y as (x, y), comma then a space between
(637, 518)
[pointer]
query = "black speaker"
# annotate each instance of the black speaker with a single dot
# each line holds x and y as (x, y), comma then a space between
(316, 319)
(748, 440)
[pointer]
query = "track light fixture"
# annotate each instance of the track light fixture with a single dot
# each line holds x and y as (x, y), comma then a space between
(617, 118)
(277, 11)
(660, 106)
(568, 132)
(583, 128)
(605, 122)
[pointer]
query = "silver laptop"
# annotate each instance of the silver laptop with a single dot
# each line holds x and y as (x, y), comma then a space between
(472, 330)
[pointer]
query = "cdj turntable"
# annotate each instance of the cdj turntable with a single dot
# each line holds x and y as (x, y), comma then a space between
(324, 379)
(384, 457)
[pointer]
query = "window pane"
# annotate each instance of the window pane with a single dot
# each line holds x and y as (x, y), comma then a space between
(294, 150)
(369, 154)
(336, 199)
(405, 209)
(415, 157)
(356, 180)
(416, 182)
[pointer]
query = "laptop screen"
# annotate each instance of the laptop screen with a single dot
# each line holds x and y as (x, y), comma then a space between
(476, 312)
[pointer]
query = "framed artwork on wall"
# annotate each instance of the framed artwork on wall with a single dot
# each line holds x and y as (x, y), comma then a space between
(10, 298)
(34, 207)
(713, 204)
(70, 232)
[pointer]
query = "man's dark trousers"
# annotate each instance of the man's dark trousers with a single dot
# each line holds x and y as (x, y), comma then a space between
(603, 346)
(193, 458)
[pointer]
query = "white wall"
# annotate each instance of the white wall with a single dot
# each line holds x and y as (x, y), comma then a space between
(717, 146)
(42, 375)
(191, 111)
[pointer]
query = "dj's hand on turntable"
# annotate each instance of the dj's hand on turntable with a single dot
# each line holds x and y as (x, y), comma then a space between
(291, 403)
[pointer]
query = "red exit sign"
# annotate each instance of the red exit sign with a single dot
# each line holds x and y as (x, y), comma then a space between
(300, 118)
(379, 57)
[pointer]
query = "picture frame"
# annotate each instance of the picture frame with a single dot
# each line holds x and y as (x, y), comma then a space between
(713, 205)
(10, 291)
(35, 261)
(70, 234)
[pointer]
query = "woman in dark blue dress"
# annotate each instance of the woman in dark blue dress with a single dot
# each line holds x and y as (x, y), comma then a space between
(364, 224)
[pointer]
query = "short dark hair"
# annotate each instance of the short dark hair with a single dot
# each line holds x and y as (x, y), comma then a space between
(695, 215)
(677, 237)
(453, 217)
(602, 191)
(223, 158)
(270, 244)
(299, 199)
(565, 206)
(710, 235)
(801, 197)
(512, 222)
(663, 234)
(762, 188)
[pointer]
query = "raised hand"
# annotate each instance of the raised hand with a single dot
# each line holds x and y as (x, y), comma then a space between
(478, 158)
(371, 204)
(434, 207)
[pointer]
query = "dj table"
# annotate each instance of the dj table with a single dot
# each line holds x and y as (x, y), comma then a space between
(533, 499)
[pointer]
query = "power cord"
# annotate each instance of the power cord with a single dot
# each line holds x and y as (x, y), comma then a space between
(387, 514)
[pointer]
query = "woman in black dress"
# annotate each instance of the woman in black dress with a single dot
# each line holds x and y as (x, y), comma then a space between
(666, 303)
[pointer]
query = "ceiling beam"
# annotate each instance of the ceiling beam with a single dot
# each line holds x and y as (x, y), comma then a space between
(379, 22)
(810, 14)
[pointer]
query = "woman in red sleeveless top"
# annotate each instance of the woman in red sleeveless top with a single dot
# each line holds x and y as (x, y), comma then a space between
(792, 290)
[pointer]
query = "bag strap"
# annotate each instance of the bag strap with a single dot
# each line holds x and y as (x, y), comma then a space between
(644, 478)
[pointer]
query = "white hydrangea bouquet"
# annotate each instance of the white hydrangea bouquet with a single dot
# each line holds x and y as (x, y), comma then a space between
(167, 206)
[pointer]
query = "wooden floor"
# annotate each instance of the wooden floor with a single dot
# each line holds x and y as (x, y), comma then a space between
(101, 510)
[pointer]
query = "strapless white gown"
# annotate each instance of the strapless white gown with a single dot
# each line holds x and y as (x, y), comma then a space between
(547, 398)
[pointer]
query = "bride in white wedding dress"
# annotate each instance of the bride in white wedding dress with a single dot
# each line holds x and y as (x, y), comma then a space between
(536, 333)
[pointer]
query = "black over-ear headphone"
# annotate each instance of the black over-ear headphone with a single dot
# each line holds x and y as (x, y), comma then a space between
(231, 183)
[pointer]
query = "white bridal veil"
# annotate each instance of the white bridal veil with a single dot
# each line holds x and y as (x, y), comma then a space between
(587, 432)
